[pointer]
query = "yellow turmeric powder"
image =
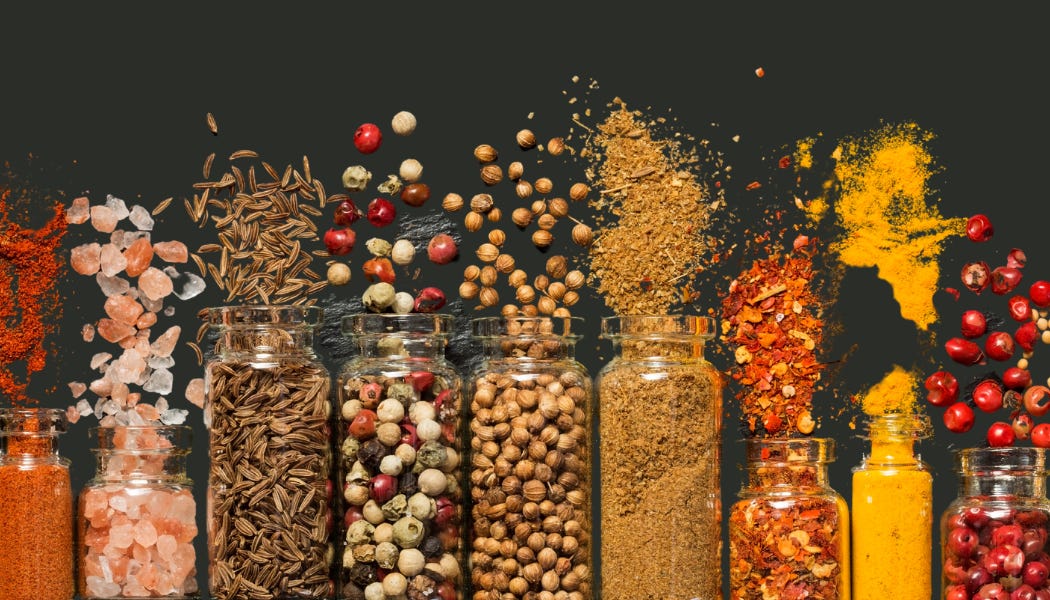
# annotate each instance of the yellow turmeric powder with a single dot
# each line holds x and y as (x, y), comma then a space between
(895, 393)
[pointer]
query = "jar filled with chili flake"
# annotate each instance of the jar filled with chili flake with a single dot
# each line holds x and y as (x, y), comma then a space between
(789, 532)
(658, 385)
(994, 534)
(36, 507)
(892, 512)
(136, 519)
(530, 461)
(400, 439)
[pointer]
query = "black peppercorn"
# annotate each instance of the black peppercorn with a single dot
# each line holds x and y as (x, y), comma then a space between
(408, 483)
(371, 454)
(431, 547)
(362, 574)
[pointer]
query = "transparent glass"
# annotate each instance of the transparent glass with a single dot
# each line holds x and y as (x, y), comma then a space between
(660, 421)
(994, 534)
(137, 519)
(400, 440)
(36, 507)
(789, 532)
(267, 409)
(530, 464)
(892, 512)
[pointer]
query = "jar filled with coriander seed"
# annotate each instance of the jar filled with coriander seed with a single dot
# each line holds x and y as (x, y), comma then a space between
(659, 424)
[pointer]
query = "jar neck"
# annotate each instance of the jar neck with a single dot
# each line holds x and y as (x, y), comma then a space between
(528, 338)
(545, 348)
(788, 464)
(31, 434)
(658, 338)
(422, 336)
(260, 332)
(1005, 472)
(893, 438)
(142, 453)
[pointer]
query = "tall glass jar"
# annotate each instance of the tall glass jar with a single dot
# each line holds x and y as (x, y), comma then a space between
(994, 534)
(530, 467)
(36, 507)
(269, 488)
(892, 512)
(137, 518)
(789, 532)
(400, 440)
(660, 408)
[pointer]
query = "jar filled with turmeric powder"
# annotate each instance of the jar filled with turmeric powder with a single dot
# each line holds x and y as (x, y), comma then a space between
(789, 532)
(892, 512)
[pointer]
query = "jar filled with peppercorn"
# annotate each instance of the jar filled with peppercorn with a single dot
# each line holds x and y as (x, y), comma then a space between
(530, 403)
(400, 440)
(994, 534)
(789, 532)
(658, 385)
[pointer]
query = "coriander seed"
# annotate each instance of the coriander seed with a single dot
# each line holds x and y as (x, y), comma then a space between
(523, 189)
(521, 217)
(481, 203)
(543, 185)
(556, 146)
(558, 207)
(452, 202)
(557, 266)
(546, 221)
(529, 310)
(487, 252)
(508, 311)
(468, 290)
(574, 279)
(526, 139)
(556, 290)
(473, 221)
(504, 263)
(570, 298)
(582, 235)
(540, 282)
(539, 207)
(579, 191)
(491, 174)
(542, 238)
(471, 272)
(515, 170)
(561, 312)
(494, 215)
(497, 237)
(488, 276)
(488, 296)
(517, 278)
(485, 153)
(525, 294)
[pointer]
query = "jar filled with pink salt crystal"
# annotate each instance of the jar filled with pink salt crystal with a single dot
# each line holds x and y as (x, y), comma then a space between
(137, 517)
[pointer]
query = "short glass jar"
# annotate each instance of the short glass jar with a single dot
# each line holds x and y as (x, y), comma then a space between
(660, 421)
(994, 534)
(137, 519)
(892, 512)
(36, 507)
(530, 468)
(269, 490)
(789, 532)
(400, 440)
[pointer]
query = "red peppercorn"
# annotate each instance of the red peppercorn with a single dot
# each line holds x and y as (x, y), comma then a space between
(974, 324)
(958, 417)
(963, 351)
(442, 249)
(1016, 259)
(999, 345)
(1037, 400)
(430, 299)
(1041, 435)
(1035, 573)
(979, 228)
(942, 388)
(382, 488)
(379, 269)
(1020, 308)
(339, 241)
(368, 138)
(1026, 336)
(962, 541)
(1039, 293)
(346, 213)
(1016, 378)
(1004, 280)
(1022, 425)
(1007, 534)
(988, 396)
(363, 426)
(420, 380)
(976, 275)
(370, 394)
(1001, 434)
(381, 212)
(415, 194)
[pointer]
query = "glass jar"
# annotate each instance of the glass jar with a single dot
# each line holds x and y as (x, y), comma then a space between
(994, 534)
(400, 440)
(789, 532)
(659, 415)
(36, 507)
(530, 468)
(892, 512)
(137, 519)
(269, 493)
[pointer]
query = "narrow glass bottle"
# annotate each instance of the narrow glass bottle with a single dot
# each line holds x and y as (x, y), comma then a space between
(36, 507)
(892, 512)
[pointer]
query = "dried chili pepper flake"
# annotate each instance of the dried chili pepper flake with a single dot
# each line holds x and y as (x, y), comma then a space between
(754, 185)
(784, 162)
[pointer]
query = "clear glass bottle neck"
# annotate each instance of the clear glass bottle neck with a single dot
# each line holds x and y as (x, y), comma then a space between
(540, 348)
(30, 435)
(658, 338)
(788, 465)
(892, 439)
(265, 341)
(142, 453)
(1006, 472)
(1003, 484)
(402, 347)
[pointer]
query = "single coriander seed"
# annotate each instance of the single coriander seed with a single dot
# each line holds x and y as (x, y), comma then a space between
(485, 153)
(497, 237)
(579, 191)
(542, 238)
(526, 139)
(494, 215)
(488, 276)
(487, 252)
(582, 235)
(452, 202)
(559, 207)
(504, 263)
(543, 185)
(481, 203)
(546, 221)
(473, 221)
(521, 217)
(471, 272)
(523, 189)
(515, 170)
(555, 146)
(468, 290)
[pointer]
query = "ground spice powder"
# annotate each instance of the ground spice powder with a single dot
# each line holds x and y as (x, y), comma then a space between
(895, 393)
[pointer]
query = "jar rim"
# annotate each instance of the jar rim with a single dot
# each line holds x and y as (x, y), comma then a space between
(912, 425)
(789, 451)
(248, 315)
(33, 421)
(1023, 459)
(685, 326)
(564, 328)
(180, 437)
(382, 324)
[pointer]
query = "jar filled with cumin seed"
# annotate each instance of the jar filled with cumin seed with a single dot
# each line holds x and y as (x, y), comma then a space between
(269, 490)
(789, 532)
(659, 415)
(530, 467)
(400, 443)
(36, 507)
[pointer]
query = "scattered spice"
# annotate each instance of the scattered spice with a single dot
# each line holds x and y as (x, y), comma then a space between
(894, 394)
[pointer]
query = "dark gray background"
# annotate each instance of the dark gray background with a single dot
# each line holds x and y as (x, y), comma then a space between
(113, 101)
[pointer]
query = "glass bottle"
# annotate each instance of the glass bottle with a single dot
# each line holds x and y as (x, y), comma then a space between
(137, 519)
(400, 440)
(994, 534)
(269, 490)
(892, 512)
(36, 507)
(530, 467)
(789, 532)
(659, 408)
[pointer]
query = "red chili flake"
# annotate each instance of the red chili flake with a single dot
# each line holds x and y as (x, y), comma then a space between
(754, 185)
(953, 292)
(785, 162)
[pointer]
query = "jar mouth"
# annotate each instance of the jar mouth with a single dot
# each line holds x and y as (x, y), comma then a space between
(141, 438)
(909, 425)
(383, 324)
(789, 451)
(250, 315)
(563, 328)
(990, 461)
(33, 421)
(684, 327)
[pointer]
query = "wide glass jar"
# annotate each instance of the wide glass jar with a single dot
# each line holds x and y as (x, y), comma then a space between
(789, 532)
(400, 440)
(994, 534)
(659, 415)
(530, 465)
(269, 489)
(36, 507)
(137, 519)
(892, 512)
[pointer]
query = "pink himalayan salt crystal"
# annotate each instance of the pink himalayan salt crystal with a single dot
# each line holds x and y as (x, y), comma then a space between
(146, 320)
(165, 343)
(147, 412)
(121, 536)
(155, 284)
(173, 252)
(145, 533)
(114, 331)
(77, 388)
(87, 332)
(112, 260)
(99, 360)
(102, 387)
(103, 219)
(79, 211)
(86, 258)
(166, 546)
(119, 393)
(195, 392)
(138, 256)
(182, 563)
(124, 309)
(128, 368)
(133, 399)
(98, 587)
(72, 414)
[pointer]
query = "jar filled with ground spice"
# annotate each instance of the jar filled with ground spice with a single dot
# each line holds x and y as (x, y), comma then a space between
(994, 534)
(660, 409)
(269, 489)
(400, 441)
(892, 512)
(137, 516)
(530, 419)
(789, 532)
(36, 507)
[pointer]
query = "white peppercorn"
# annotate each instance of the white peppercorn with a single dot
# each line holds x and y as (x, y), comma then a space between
(421, 506)
(403, 303)
(384, 533)
(428, 430)
(391, 465)
(402, 252)
(411, 562)
(403, 123)
(411, 170)
(432, 482)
